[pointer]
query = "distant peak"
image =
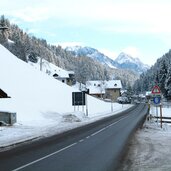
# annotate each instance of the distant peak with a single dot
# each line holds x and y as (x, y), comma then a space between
(123, 57)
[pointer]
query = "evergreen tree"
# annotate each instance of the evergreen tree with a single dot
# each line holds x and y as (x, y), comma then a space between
(162, 75)
(3, 30)
(168, 84)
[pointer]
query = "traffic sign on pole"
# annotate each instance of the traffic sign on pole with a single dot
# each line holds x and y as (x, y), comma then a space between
(156, 100)
(156, 90)
(156, 95)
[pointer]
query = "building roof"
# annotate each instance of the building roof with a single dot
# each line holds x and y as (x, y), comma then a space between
(79, 86)
(3, 94)
(114, 84)
(95, 87)
(99, 86)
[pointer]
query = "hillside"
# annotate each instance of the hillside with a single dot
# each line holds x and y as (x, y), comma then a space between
(40, 101)
(32, 89)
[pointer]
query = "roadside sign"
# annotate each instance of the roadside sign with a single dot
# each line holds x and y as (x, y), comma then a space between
(156, 90)
(156, 100)
(78, 98)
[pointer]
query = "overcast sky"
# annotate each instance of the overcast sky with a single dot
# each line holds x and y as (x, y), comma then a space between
(141, 28)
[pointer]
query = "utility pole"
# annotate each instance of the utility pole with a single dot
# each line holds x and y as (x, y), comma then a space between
(41, 63)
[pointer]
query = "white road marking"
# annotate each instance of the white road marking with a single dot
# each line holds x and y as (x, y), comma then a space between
(98, 131)
(81, 140)
(56, 152)
(35, 161)
(108, 126)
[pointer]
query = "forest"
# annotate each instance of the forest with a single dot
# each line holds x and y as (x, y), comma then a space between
(159, 74)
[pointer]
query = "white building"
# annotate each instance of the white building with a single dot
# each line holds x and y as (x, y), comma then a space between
(105, 89)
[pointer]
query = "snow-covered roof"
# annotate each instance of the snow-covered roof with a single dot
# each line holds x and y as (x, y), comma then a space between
(114, 84)
(99, 86)
(96, 90)
(95, 87)
(80, 86)
(94, 83)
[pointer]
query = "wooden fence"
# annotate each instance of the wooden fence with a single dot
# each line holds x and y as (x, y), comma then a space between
(163, 119)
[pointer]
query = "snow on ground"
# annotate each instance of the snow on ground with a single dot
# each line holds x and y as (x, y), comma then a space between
(42, 103)
(150, 148)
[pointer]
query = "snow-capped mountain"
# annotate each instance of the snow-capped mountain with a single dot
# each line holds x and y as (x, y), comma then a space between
(127, 62)
(92, 53)
(123, 61)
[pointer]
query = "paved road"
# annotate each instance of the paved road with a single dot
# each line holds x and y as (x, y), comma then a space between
(95, 147)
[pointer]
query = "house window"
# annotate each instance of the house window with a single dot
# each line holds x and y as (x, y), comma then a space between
(94, 84)
(115, 85)
(98, 85)
(63, 81)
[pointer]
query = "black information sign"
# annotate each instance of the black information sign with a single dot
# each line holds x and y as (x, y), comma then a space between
(78, 98)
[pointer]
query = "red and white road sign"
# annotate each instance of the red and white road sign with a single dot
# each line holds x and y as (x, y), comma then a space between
(156, 90)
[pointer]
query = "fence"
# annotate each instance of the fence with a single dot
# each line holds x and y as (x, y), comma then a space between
(163, 119)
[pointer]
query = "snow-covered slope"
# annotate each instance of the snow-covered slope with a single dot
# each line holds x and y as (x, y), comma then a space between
(33, 92)
(49, 68)
(123, 61)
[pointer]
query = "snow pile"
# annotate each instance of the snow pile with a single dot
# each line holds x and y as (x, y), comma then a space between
(42, 103)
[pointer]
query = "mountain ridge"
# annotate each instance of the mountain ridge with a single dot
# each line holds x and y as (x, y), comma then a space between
(123, 61)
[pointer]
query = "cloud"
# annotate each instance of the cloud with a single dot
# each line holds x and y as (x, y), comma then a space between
(130, 16)
(132, 51)
(31, 14)
(109, 53)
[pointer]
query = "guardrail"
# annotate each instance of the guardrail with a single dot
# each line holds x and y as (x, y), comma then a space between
(162, 119)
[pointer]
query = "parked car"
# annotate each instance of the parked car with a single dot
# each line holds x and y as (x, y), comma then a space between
(123, 100)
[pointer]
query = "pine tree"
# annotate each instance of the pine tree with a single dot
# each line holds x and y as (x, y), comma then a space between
(168, 84)
(3, 30)
(162, 75)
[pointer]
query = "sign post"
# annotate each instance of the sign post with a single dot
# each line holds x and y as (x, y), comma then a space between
(161, 115)
(80, 99)
(156, 100)
(156, 90)
(156, 95)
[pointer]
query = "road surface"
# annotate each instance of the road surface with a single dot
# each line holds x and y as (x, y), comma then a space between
(94, 147)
